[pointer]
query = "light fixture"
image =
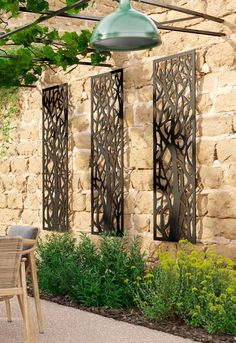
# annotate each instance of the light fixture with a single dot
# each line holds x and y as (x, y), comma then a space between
(125, 30)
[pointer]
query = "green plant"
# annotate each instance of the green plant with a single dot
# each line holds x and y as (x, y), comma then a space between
(91, 275)
(199, 287)
(9, 107)
(38, 46)
(57, 263)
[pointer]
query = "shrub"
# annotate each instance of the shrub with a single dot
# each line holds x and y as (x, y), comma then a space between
(89, 275)
(57, 263)
(199, 287)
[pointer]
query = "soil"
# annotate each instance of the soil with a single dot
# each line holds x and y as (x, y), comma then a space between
(172, 325)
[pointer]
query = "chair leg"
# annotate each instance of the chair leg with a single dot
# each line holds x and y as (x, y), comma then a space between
(36, 291)
(28, 322)
(8, 310)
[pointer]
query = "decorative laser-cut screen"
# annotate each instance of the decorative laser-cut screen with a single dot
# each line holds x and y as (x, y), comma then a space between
(107, 197)
(174, 135)
(55, 158)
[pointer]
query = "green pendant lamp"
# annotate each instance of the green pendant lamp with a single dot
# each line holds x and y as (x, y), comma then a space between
(125, 30)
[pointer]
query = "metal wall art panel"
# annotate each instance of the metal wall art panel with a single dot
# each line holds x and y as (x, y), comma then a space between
(55, 158)
(107, 195)
(174, 134)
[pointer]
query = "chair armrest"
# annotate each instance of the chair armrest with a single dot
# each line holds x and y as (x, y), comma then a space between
(29, 242)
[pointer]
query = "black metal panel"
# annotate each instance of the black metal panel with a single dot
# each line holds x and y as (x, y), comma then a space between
(107, 196)
(174, 157)
(55, 158)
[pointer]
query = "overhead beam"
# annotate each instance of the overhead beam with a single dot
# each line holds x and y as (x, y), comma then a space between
(161, 25)
(183, 29)
(173, 21)
(65, 15)
(182, 10)
(45, 17)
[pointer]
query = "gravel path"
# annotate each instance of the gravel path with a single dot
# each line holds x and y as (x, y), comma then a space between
(68, 325)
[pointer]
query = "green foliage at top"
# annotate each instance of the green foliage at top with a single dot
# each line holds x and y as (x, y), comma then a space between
(9, 106)
(39, 46)
(199, 287)
(12, 6)
(87, 274)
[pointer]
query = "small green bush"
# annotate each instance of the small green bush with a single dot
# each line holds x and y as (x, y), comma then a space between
(56, 263)
(199, 287)
(89, 275)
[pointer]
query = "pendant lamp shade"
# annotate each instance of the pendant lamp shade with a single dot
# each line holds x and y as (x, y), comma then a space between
(125, 30)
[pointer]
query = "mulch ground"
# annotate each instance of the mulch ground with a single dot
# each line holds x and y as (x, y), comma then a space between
(172, 326)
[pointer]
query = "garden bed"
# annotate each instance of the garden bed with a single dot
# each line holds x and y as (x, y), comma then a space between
(133, 316)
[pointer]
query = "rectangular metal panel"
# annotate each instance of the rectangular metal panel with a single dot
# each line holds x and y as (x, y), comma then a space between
(107, 165)
(174, 134)
(55, 158)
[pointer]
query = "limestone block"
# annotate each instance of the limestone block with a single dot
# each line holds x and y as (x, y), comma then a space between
(9, 216)
(205, 152)
(204, 103)
(84, 180)
(30, 217)
(145, 93)
(4, 166)
(79, 123)
(230, 175)
(130, 202)
(221, 55)
(215, 227)
(19, 165)
(14, 200)
(82, 221)
(32, 183)
(214, 126)
(127, 222)
(26, 148)
(228, 250)
(144, 113)
(226, 151)
(144, 202)
(40, 181)
(201, 204)
(141, 136)
(141, 158)
(82, 140)
(88, 202)
(222, 204)
(142, 222)
(3, 200)
(33, 201)
(211, 177)
(208, 83)
(142, 180)
(81, 160)
(79, 202)
(35, 165)
(20, 182)
(227, 78)
(129, 115)
(8, 182)
(226, 102)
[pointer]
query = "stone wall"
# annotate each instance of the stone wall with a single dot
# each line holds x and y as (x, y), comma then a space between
(21, 170)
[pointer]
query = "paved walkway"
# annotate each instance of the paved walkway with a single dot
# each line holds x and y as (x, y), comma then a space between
(68, 325)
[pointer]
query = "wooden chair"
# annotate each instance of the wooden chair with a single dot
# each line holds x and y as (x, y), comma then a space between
(30, 237)
(13, 280)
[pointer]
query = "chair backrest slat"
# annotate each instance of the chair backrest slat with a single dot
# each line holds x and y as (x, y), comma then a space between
(10, 257)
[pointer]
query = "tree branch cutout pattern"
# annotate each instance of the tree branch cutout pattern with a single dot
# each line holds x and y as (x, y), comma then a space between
(55, 158)
(107, 153)
(174, 148)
